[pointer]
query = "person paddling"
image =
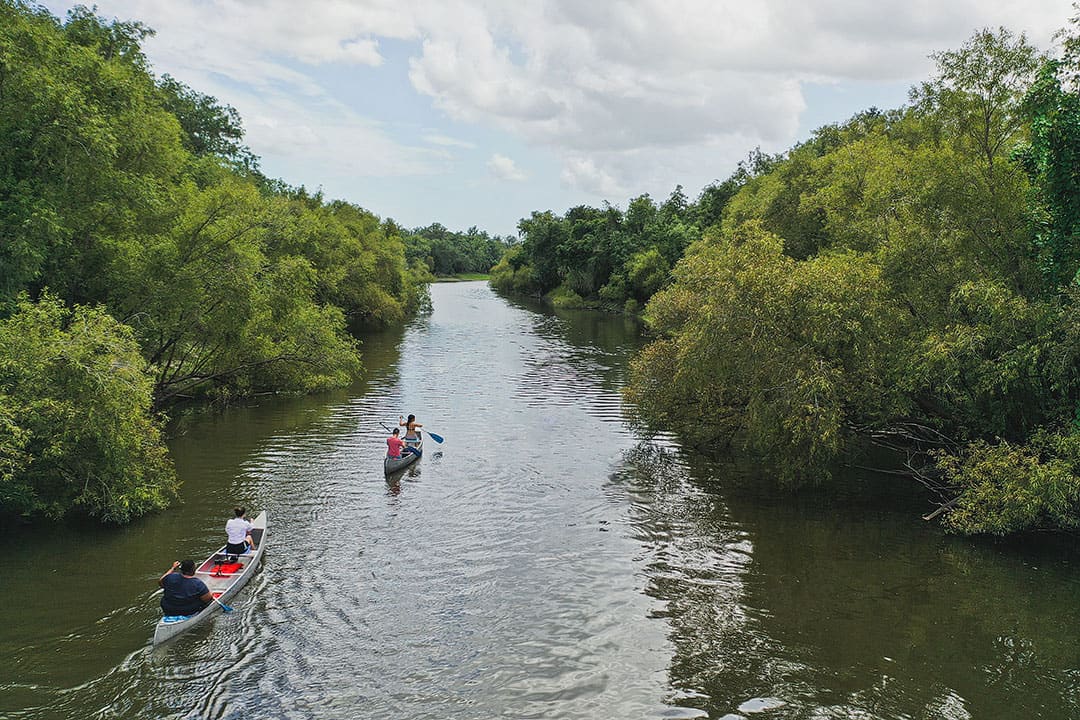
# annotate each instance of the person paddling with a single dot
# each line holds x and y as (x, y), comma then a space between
(185, 594)
(238, 533)
(411, 435)
(395, 446)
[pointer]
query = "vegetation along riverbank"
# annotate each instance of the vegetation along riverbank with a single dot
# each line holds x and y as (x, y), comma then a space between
(906, 279)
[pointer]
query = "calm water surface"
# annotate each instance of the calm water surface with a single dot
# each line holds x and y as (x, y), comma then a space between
(544, 562)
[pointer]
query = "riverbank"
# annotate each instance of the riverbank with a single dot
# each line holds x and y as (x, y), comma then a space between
(462, 277)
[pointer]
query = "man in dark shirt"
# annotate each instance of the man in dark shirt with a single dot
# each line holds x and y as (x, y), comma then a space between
(185, 594)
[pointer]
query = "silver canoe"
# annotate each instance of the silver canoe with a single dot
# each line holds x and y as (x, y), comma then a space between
(223, 585)
(392, 465)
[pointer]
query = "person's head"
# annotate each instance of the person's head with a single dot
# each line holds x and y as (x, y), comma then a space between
(397, 431)
(239, 510)
(411, 419)
(187, 567)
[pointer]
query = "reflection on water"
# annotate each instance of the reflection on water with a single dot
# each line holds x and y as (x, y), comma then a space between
(543, 562)
(844, 608)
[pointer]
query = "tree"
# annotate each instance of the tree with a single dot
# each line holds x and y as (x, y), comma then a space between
(880, 283)
(86, 152)
(1051, 160)
(221, 300)
(76, 433)
(786, 355)
(209, 127)
(543, 234)
(979, 88)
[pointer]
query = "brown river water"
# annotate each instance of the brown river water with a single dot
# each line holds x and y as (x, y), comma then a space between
(545, 561)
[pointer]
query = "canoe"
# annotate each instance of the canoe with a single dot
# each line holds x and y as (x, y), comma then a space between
(224, 575)
(392, 465)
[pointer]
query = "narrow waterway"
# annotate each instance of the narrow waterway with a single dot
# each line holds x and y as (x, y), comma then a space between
(543, 562)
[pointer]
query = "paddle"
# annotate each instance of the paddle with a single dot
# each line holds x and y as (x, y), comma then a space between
(224, 607)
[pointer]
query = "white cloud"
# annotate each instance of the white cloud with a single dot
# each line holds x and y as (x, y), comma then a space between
(625, 94)
(330, 139)
(610, 87)
(504, 168)
(446, 141)
(581, 173)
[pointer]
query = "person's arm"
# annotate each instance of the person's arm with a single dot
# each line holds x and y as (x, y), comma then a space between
(401, 421)
(247, 533)
(207, 597)
(161, 580)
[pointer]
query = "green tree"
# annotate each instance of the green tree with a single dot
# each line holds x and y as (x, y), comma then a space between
(86, 152)
(785, 356)
(880, 282)
(220, 300)
(978, 90)
(76, 435)
(209, 127)
(544, 233)
(1051, 160)
(1006, 488)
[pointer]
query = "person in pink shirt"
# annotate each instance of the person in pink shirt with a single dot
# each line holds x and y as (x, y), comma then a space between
(396, 446)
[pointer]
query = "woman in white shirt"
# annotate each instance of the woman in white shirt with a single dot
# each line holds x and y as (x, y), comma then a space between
(238, 530)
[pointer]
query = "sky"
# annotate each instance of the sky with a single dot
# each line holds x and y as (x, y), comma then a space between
(477, 112)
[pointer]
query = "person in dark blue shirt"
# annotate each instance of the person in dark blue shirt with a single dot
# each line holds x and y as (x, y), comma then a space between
(185, 594)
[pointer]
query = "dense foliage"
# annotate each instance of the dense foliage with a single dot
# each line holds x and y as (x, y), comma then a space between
(907, 278)
(445, 252)
(600, 256)
(130, 206)
(74, 431)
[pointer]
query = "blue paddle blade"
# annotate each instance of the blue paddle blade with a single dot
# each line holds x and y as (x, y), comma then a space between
(433, 436)
(224, 607)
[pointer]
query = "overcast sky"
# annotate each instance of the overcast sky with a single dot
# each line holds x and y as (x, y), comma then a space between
(468, 112)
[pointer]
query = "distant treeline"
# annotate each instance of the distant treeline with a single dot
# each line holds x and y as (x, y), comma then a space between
(444, 252)
(145, 258)
(905, 279)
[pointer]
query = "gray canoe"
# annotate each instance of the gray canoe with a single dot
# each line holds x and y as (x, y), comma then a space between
(392, 465)
(223, 585)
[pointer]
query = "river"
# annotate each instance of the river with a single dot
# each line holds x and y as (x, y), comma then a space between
(545, 561)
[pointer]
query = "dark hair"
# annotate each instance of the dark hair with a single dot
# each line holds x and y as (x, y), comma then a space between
(239, 510)
(396, 431)
(187, 567)
(411, 418)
